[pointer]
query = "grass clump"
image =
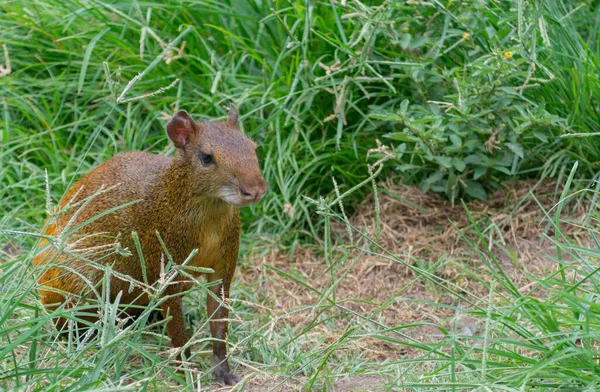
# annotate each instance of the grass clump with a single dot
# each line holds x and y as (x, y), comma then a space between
(272, 59)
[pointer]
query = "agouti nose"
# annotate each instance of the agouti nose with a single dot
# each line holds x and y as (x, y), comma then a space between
(253, 190)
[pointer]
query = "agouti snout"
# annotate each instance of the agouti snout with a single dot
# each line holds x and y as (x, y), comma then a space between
(186, 203)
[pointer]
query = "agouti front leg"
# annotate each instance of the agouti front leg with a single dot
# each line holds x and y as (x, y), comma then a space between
(171, 307)
(218, 326)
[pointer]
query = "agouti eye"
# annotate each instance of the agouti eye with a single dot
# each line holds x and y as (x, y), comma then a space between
(206, 159)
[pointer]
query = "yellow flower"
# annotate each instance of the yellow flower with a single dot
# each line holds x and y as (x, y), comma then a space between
(508, 55)
(466, 36)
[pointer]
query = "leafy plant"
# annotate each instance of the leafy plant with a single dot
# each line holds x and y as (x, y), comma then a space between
(476, 115)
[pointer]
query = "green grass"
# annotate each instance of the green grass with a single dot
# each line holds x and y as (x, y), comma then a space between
(542, 335)
(240, 53)
(316, 84)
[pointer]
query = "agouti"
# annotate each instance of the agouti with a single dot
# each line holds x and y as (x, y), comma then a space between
(190, 201)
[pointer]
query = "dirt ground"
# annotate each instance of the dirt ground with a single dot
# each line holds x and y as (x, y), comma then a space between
(424, 231)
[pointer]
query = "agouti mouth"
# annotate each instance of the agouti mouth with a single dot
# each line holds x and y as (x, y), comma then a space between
(239, 201)
(240, 205)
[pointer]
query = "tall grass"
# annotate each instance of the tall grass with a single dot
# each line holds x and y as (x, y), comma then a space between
(64, 107)
(311, 80)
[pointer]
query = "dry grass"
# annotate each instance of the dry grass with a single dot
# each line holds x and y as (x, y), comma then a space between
(422, 229)
(279, 384)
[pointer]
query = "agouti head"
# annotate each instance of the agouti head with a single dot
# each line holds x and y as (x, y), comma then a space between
(219, 161)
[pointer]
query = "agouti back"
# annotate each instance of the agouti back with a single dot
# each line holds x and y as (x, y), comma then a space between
(191, 201)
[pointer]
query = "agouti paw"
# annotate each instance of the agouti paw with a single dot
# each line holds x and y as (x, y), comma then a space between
(224, 376)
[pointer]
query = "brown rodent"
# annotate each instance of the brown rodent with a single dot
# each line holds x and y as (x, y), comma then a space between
(191, 201)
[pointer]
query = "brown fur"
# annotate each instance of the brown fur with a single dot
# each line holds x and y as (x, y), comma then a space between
(187, 202)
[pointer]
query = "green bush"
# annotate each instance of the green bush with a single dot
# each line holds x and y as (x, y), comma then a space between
(477, 113)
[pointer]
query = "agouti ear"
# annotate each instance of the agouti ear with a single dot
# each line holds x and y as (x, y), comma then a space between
(233, 116)
(180, 128)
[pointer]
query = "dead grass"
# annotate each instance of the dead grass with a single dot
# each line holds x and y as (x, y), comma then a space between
(511, 215)
(280, 384)
(421, 229)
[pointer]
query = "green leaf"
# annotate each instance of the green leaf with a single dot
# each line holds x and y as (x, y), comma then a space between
(475, 190)
(477, 159)
(480, 171)
(418, 75)
(435, 108)
(86, 58)
(404, 106)
(418, 42)
(400, 136)
(386, 116)
(516, 148)
(407, 167)
(541, 136)
(503, 169)
(435, 177)
(405, 40)
(505, 160)
(459, 164)
(457, 141)
(491, 32)
(444, 161)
